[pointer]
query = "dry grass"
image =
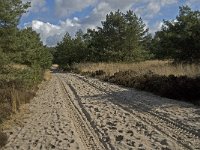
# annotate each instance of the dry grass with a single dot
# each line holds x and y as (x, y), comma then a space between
(11, 100)
(13, 97)
(11, 106)
(18, 66)
(13, 120)
(163, 78)
(47, 75)
(158, 67)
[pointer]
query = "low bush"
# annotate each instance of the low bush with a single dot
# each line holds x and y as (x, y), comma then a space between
(97, 73)
(3, 139)
(180, 88)
(94, 74)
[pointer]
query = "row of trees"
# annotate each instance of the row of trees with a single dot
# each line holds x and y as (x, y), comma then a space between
(124, 37)
(21, 47)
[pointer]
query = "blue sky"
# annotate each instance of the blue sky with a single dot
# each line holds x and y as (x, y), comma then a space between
(53, 18)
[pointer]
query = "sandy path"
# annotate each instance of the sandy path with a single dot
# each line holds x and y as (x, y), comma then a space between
(130, 119)
(75, 112)
(52, 123)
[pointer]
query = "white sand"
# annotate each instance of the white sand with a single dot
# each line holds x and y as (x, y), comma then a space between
(83, 113)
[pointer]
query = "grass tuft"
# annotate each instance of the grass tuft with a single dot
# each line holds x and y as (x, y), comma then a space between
(3, 139)
(11, 99)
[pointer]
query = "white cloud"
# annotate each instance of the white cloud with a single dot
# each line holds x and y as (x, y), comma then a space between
(119, 4)
(45, 29)
(156, 27)
(51, 34)
(67, 7)
(97, 14)
(168, 2)
(191, 2)
(103, 7)
(152, 7)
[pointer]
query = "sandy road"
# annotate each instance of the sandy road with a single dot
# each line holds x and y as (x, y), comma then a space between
(75, 112)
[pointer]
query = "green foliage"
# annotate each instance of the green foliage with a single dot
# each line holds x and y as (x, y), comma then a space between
(20, 47)
(122, 37)
(31, 76)
(70, 50)
(3, 59)
(64, 51)
(11, 11)
(23, 59)
(179, 39)
(32, 50)
(21, 79)
(10, 14)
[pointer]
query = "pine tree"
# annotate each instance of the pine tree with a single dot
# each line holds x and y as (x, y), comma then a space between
(10, 14)
(179, 39)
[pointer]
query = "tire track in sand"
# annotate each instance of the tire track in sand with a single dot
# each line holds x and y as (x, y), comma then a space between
(83, 127)
(186, 137)
(48, 125)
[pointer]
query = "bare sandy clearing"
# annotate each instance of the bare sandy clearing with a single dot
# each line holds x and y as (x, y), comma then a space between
(75, 112)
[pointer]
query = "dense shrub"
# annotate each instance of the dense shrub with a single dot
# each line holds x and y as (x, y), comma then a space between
(97, 73)
(180, 88)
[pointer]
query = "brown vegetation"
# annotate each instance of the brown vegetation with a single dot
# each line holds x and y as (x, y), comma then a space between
(156, 66)
(176, 81)
(47, 75)
(3, 139)
(15, 92)
(11, 99)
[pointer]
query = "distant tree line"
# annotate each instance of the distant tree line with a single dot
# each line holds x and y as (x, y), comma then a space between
(124, 37)
(20, 46)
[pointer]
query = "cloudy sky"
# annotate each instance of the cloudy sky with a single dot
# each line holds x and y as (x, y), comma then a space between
(53, 18)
